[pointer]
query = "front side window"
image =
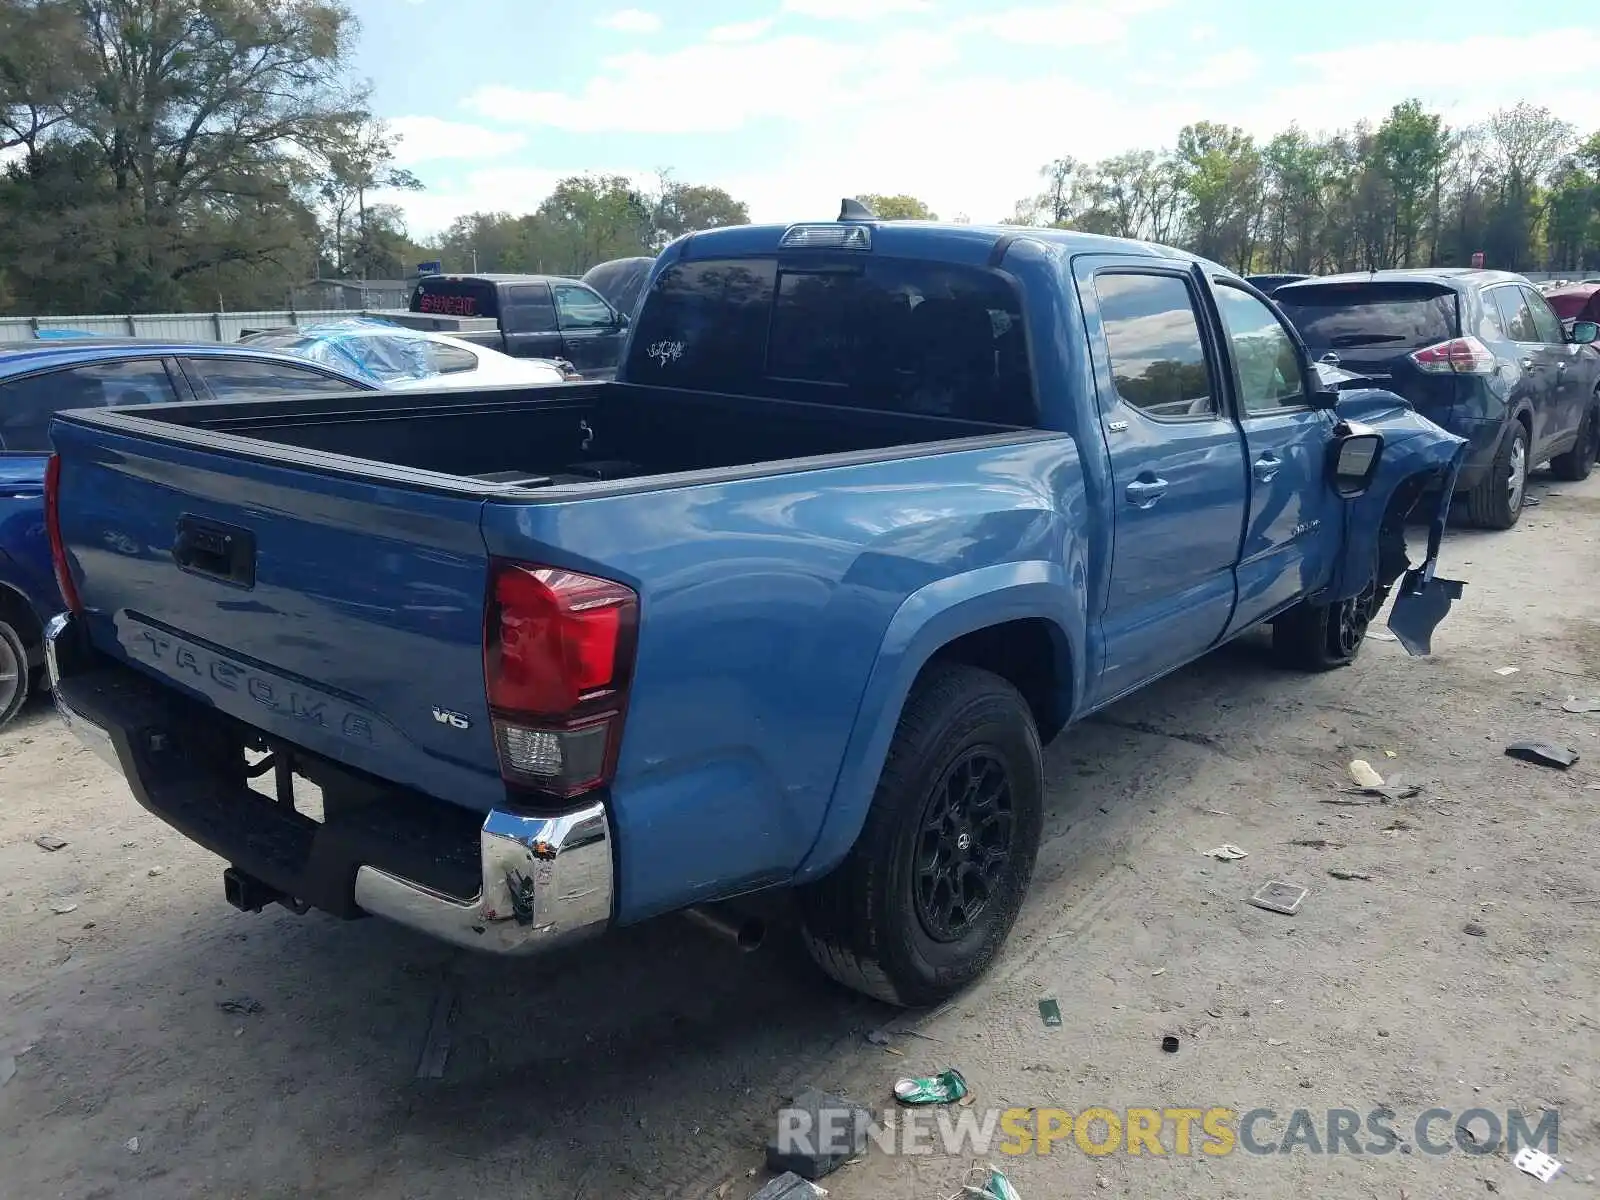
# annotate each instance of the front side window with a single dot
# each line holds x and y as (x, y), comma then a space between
(1545, 322)
(26, 405)
(579, 308)
(1266, 364)
(896, 335)
(1158, 359)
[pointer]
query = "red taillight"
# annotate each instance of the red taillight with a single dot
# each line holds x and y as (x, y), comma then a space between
(557, 655)
(52, 524)
(1459, 356)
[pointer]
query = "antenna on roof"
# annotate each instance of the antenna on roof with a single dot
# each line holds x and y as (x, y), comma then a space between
(854, 210)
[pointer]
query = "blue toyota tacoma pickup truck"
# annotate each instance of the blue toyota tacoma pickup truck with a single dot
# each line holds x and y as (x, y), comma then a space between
(872, 512)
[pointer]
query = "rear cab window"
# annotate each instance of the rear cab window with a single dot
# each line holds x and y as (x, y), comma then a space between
(1379, 314)
(900, 335)
(447, 296)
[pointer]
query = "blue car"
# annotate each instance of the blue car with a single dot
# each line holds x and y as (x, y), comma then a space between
(40, 378)
(1481, 353)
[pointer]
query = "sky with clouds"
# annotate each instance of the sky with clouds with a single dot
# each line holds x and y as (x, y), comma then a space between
(790, 104)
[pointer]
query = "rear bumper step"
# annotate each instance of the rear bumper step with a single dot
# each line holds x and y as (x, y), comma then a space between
(541, 880)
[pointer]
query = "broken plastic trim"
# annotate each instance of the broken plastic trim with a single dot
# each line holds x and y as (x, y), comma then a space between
(1423, 599)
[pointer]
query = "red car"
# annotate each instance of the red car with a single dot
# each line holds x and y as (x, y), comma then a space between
(1575, 302)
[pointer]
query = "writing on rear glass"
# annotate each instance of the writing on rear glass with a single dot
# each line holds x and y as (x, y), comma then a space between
(665, 352)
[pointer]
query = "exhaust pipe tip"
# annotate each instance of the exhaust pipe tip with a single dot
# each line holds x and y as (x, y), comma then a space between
(745, 932)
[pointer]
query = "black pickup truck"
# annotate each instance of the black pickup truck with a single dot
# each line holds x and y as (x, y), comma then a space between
(528, 316)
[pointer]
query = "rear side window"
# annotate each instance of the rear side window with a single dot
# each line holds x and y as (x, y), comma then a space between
(528, 309)
(1341, 316)
(26, 405)
(448, 297)
(451, 360)
(890, 334)
(227, 378)
(1516, 314)
(1158, 360)
(1491, 326)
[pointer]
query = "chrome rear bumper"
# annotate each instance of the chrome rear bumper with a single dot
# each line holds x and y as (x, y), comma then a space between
(545, 880)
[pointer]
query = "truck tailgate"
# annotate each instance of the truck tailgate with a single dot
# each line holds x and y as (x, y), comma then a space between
(339, 615)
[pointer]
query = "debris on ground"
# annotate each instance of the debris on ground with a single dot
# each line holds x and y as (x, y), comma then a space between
(1363, 775)
(1050, 1012)
(1341, 873)
(436, 1042)
(1227, 852)
(789, 1186)
(154, 872)
(1379, 635)
(132, 1145)
(833, 1131)
(242, 1007)
(1507, 670)
(991, 1184)
(1169, 1044)
(1275, 1042)
(1279, 897)
(1543, 754)
(944, 1088)
(1369, 783)
(62, 907)
(50, 842)
(1316, 843)
(1537, 1163)
(1473, 929)
(1586, 704)
(8, 1069)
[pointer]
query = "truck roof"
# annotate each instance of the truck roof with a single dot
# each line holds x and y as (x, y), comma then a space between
(937, 240)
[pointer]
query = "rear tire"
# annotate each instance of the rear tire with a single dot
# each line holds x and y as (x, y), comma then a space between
(14, 673)
(1496, 502)
(1578, 462)
(924, 900)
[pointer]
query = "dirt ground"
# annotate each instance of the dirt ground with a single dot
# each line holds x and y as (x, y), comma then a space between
(649, 1064)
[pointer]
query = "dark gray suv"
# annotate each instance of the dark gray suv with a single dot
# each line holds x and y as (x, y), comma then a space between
(1478, 352)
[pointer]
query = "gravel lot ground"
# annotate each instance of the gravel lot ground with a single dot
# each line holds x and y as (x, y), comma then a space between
(650, 1063)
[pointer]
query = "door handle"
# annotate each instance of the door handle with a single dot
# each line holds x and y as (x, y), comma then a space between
(1142, 493)
(1527, 364)
(1267, 466)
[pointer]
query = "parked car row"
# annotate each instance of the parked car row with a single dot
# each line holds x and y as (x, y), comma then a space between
(1481, 353)
(43, 377)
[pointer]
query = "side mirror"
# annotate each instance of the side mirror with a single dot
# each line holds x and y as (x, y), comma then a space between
(1354, 455)
(1324, 398)
(1585, 333)
(623, 321)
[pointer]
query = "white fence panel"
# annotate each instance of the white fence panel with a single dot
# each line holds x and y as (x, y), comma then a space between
(174, 327)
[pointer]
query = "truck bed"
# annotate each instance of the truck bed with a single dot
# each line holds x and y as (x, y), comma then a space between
(570, 435)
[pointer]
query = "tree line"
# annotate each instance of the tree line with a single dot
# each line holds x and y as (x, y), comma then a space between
(172, 155)
(1521, 187)
(200, 154)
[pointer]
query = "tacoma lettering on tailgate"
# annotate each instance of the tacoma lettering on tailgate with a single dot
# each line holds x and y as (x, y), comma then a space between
(213, 675)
